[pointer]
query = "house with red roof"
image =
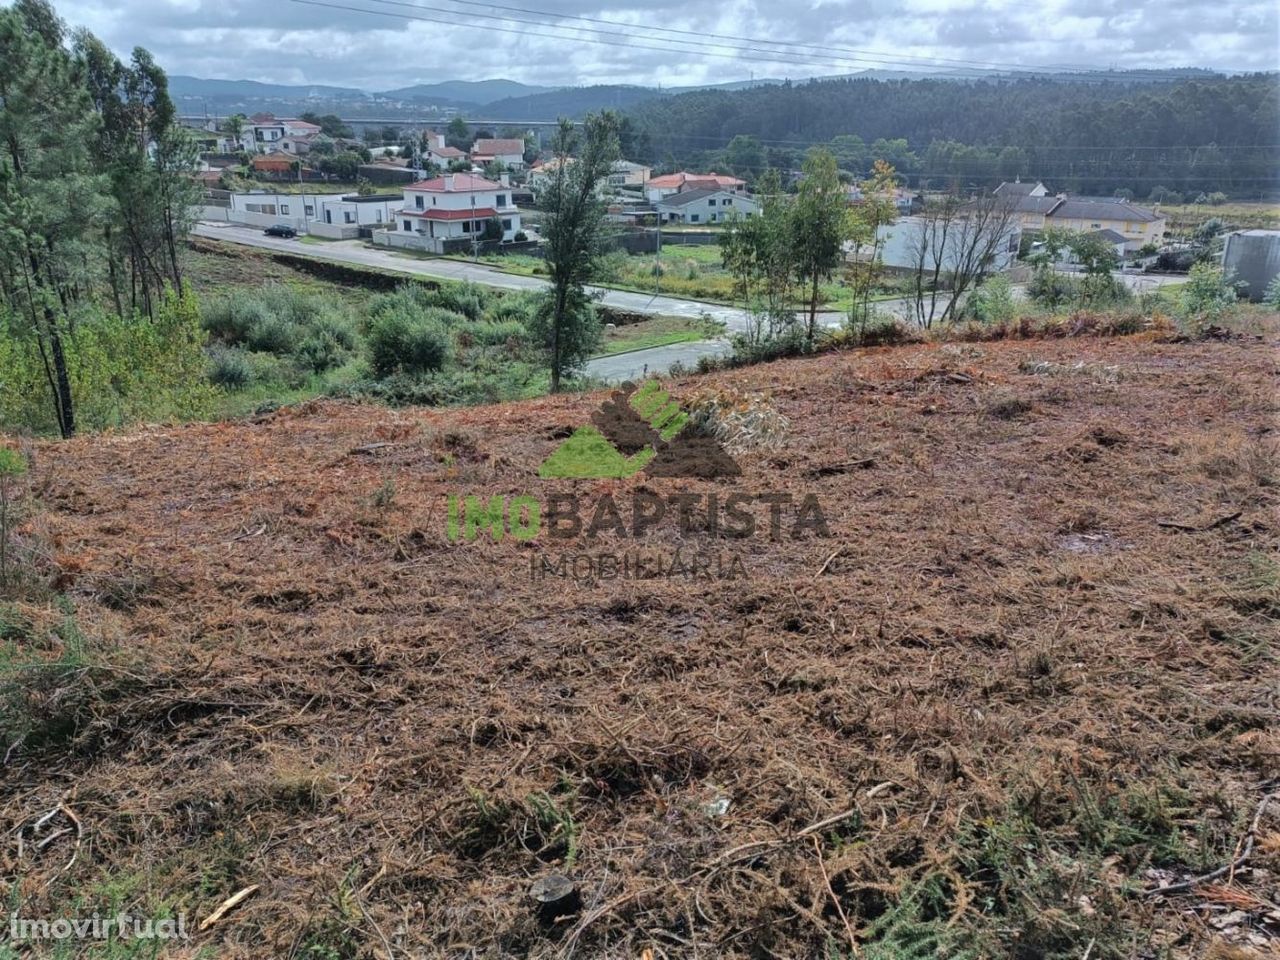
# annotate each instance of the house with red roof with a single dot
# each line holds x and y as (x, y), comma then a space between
(508, 152)
(659, 188)
(449, 212)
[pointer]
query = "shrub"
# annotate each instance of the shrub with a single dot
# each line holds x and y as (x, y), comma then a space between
(320, 351)
(229, 368)
(467, 299)
(273, 334)
(1208, 293)
(401, 342)
(1272, 295)
(521, 237)
(492, 333)
(229, 319)
(992, 302)
(514, 307)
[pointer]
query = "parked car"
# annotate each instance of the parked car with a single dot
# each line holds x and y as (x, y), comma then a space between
(280, 230)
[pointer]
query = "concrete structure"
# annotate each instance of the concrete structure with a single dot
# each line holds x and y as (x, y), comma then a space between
(705, 206)
(1253, 257)
(901, 242)
(331, 215)
(624, 173)
(658, 188)
(440, 214)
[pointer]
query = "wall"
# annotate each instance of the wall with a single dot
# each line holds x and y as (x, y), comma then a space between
(334, 231)
(1254, 257)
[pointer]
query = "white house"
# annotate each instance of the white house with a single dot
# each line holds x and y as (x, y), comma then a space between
(450, 212)
(624, 173)
(657, 188)
(330, 215)
(902, 242)
(705, 206)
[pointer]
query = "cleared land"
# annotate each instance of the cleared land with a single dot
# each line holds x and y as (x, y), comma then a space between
(1030, 674)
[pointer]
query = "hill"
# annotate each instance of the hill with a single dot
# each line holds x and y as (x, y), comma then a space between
(478, 92)
(1027, 673)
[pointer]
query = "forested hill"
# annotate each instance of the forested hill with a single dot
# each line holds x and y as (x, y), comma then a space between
(1192, 136)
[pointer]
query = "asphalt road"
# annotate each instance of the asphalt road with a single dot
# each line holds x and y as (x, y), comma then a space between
(357, 253)
(640, 363)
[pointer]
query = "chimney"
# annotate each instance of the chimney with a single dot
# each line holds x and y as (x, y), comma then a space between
(504, 179)
(448, 182)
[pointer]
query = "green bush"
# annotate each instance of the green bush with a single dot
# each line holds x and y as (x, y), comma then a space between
(491, 333)
(320, 351)
(273, 334)
(992, 302)
(401, 342)
(1208, 292)
(229, 368)
(467, 299)
(230, 318)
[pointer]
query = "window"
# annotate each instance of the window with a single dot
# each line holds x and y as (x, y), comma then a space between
(408, 225)
(711, 202)
(418, 201)
(727, 202)
(377, 215)
(311, 211)
(693, 218)
(506, 224)
(348, 217)
(284, 209)
(502, 200)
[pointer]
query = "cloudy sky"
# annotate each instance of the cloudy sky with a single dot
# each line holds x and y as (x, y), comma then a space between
(287, 41)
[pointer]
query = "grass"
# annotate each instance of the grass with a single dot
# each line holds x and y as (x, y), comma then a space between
(658, 332)
(1184, 218)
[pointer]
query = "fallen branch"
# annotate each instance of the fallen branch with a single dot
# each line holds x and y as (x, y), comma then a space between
(1189, 528)
(1246, 850)
(236, 898)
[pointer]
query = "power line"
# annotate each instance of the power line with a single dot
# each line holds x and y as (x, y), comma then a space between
(739, 53)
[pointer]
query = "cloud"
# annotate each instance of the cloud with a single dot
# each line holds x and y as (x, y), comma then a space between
(284, 41)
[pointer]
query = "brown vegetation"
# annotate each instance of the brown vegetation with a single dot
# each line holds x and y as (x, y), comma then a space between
(1031, 674)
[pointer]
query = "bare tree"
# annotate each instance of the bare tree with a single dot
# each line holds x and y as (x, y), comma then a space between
(956, 244)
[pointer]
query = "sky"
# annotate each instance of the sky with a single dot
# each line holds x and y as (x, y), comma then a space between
(286, 41)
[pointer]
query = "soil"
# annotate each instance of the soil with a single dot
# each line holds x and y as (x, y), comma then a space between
(998, 702)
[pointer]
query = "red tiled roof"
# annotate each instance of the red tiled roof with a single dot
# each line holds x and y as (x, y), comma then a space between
(490, 148)
(696, 180)
(271, 163)
(449, 153)
(435, 213)
(462, 183)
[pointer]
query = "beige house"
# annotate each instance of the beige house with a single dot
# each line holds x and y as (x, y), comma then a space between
(1035, 210)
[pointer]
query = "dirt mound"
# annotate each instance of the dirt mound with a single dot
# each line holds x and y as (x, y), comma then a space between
(943, 730)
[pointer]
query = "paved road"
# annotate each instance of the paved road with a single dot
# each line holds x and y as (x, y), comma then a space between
(639, 363)
(356, 252)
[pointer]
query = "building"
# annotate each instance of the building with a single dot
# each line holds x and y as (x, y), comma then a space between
(443, 155)
(900, 244)
(508, 152)
(450, 212)
(335, 216)
(1253, 258)
(705, 206)
(1020, 189)
(542, 173)
(624, 173)
(268, 163)
(659, 187)
(1115, 240)
(1138, 225)
(1036, 210)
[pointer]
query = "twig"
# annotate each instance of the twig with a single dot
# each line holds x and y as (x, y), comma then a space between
(1246, 850)
(823, 569)
(835, 901)
(1189, 528)
(227, 904)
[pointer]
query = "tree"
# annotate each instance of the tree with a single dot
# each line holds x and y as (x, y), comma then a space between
(46, 125)
(757, 252)
(233, 127)
(868, 217)
(330, 124)
(573, 230)
(492, 229)
(955, 245)
(745, 157)
(458, 135)
(819, 227)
